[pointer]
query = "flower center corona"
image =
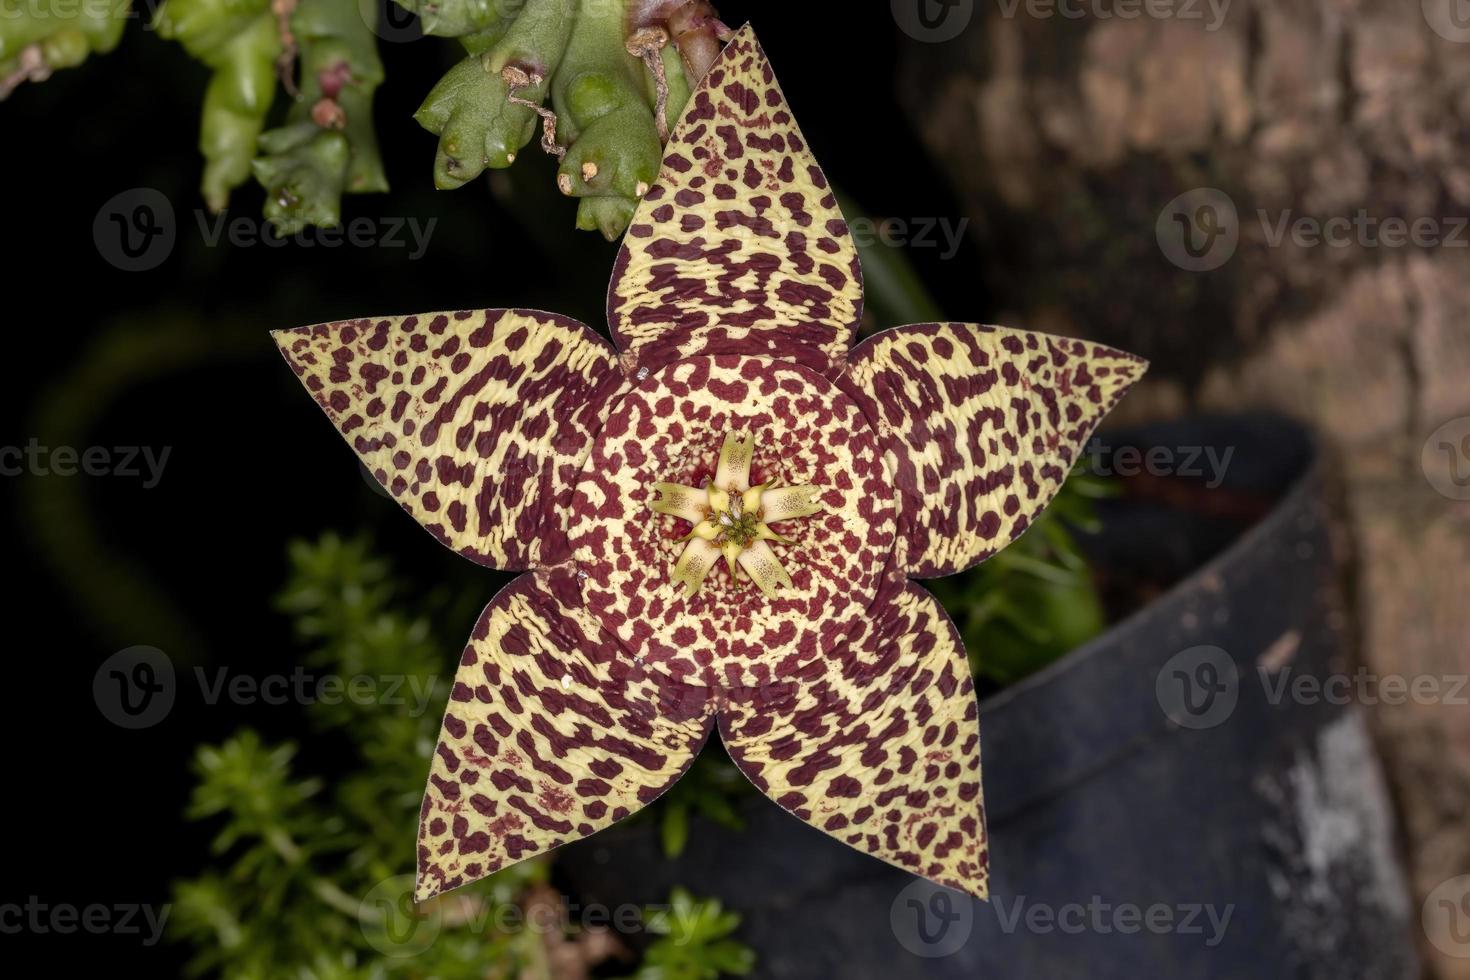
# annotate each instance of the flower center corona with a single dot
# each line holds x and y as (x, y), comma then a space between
(732, 520)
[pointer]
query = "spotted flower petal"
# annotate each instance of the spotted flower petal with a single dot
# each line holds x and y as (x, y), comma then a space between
(475, 422)
(740, 246)
(549, 736)
(878, 746)
(980, 426)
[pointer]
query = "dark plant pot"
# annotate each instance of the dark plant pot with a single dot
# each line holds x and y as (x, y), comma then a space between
(1153, 776)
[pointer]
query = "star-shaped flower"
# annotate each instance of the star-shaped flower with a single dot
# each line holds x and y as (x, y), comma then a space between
(523, 440)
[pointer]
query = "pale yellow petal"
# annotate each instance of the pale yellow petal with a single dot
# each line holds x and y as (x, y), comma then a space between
(719, 500)
(764, 533)
(694, 564)
(735, 454)
(706, 529)
(764, 568)
(677, 500)
(788, 502)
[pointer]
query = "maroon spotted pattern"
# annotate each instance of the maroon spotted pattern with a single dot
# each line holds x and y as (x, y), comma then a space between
(981, 426)
(670, 428)
(878, 747)
(550, 735)
(476, 422)
(740, 246)
(522, 440)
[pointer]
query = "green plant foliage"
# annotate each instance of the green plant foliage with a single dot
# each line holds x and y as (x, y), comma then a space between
(456, 18)
(296, 855)
(694, 942)
(471, 109)
(490, 106)
(712, 788)
(600, 80)
(1034, 601)
(312, 874)
(477, 125)
(239, 41)
(37, 39)
(328, 145)
(606, 122)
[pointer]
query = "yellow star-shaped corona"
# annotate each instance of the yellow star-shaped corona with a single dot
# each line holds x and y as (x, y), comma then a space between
(732, 519)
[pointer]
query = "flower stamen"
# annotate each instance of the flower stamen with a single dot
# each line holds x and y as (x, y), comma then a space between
(730, 519)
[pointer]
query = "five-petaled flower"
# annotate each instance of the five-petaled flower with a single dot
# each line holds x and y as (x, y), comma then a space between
(523, 440)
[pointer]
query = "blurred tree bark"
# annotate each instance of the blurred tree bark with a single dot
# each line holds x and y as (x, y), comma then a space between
(1068, 137)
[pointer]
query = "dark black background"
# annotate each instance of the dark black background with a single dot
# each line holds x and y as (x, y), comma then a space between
(94, 811)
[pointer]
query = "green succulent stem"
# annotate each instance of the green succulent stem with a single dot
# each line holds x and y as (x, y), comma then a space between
(459, 18)
(613, 149)
(328, 145)
(484, 109)
(616, 82)
(38, 39)
(239, 41)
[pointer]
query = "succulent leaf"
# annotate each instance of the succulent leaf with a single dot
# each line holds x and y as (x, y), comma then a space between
(453, 18)
(306, 174)
(37, 39)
